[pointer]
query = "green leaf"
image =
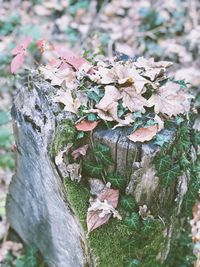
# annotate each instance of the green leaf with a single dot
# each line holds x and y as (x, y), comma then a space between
(128, 203)
(92, 117)
(162, 139)
(133, 222)
(169, 175)
(102, 153)
(163, 163)
(92, 168)
(117, 181)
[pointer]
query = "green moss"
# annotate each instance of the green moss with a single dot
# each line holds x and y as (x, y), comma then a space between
(65, 133)
(116, 244)
(105, 242)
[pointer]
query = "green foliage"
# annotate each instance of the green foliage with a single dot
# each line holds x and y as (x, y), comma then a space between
(92, 168)
(133, 222)
(101, 159)
(172, 161)
(128, 203)
(181, 253)
(102, 154)
(105, 242)
(117, 180)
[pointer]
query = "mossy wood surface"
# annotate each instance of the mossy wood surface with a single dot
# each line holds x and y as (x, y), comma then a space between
(49, 210)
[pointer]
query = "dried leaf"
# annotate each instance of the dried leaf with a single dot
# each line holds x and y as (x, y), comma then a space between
(86, 126)
(59, 157)
(170, 100)
(102, 208)
(160, 122)
(111, 95)
(82, 150)
(23, 46)
(132, 100)
(74, 171)
(144, 134)
(65, 97)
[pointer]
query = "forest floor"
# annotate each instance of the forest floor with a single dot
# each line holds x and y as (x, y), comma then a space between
(165, 30)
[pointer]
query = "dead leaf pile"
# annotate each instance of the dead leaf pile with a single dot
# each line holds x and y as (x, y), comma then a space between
(126, 87)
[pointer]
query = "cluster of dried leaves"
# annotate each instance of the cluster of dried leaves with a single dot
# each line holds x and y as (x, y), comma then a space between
(114, 91)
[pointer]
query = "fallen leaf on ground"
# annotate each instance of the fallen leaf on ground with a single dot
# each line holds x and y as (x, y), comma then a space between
(144, 134)
(86, 126)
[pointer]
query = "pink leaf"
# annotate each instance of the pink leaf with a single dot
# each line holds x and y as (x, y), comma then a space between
(93, 219)
(22, 47)
(86, 126)
(70, 57)
(111, 195)
(144, 134)
(17, 61)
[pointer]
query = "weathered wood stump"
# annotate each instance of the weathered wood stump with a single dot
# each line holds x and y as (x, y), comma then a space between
(38, 207)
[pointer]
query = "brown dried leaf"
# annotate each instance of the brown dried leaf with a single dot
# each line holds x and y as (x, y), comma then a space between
(111, 95)
(86, 126)
(170, 100)
(82, 150)
(132, 100)
(144, 134)
(102, 208)
(65, 97)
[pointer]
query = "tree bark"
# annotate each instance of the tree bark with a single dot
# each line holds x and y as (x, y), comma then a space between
(38, 208)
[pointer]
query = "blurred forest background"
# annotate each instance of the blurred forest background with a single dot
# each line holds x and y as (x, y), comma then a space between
(165, 30)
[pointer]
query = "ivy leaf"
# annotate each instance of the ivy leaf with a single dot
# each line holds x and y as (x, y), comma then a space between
(117, 181)
(133, 222)
(92, 168)
(128, 203)
(169, 175)
(161, 139)
(101, 152)
(163, 163)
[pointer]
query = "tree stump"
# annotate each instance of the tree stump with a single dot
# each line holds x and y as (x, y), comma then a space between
(38, 205)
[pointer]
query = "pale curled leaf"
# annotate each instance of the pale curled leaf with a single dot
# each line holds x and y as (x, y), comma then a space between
(74, 171)
(59, 157)
(144, 134)
(82, 150)
(65, 97)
